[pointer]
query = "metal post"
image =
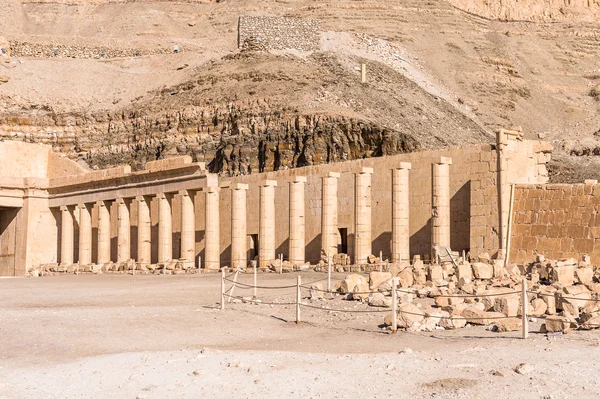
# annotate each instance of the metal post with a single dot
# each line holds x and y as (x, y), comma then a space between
(363, 73)
(298, 298)
(329, 274)
(524, 306)
(380, 261)
(222, 288)
(255, 280)
(280, 263)
(394, 306)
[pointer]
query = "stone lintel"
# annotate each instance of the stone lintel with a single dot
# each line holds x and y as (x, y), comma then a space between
(590, 181)
(187, 193)
(165, 195)
(404, 165)
(299, 179)
(211, 189)
(365, 170)
(444, 161)
(239, 186)
(334, 174)
(169, 163)
(268, 183)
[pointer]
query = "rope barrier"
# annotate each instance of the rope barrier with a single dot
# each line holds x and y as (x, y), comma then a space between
(562, 297)
(261, 302)
(261, 287)
(343, 310)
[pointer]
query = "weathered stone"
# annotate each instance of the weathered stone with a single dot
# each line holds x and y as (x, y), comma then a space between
(564, 275)
(316, 291)
(576, 296)
(482, 271)
(477, 316)
(464, 271)
(349, 282)
(419, 276)
(584, 275)
(380, 300)
(510, 324)
(376, 278)
(453, 322)
(538, 307)
(361, 292)
(507, 305)
(406, 277)
(435, 273)
(408, 314)
(557, 324)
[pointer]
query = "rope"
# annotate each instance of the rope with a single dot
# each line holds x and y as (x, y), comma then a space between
(262, 287)
(261, 302)
(343, 310)
(563, 297)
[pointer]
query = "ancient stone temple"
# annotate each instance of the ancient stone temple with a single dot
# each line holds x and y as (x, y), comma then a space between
(176, 213)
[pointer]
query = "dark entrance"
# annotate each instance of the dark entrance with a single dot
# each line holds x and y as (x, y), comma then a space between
(8, 233)
(343, 241)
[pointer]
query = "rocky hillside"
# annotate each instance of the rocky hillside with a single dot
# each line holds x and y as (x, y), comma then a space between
(102, 80)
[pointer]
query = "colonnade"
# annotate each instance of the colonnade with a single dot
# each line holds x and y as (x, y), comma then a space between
(363, 208)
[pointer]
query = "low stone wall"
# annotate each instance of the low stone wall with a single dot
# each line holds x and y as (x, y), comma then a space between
(42, 50)
(557, 221)
(278, 33)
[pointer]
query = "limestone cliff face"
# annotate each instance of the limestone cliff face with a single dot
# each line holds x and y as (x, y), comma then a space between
(231, 142)
(532, 10)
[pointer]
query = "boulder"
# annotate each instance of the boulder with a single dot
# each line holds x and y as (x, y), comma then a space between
(506, 325)
(453, 322)
(379, 300)
(590, 321)
(507, 305)
(170, 264)
(409, 314)
(564, 275)
(557, 324)
(584, 275)
(550, 300)
(361, 292)
(482, 271)
(385, 288)
(376, 278)
(406, 277)
(316, 291)
(432, 319)
(419, 276)
(576, 296)
(476, 316)
(538, 307)
(436, 273)
(464, 271)
(350, 281)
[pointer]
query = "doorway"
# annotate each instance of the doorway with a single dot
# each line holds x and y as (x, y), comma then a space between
(343, 241)
(8, 241)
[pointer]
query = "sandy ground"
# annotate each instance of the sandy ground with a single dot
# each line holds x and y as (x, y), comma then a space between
(163, 337)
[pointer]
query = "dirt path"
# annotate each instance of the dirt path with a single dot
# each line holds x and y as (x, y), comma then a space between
(144, 336)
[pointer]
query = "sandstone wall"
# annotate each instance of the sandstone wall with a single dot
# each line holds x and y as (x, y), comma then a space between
(546, 10)
(278, 33)
(19, 159)
(47, 50)
(556, 220)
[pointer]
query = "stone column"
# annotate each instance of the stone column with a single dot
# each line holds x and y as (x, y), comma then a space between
(239, 243)
(362, 216)
(297, 221)
(441, 203)
(329, 214)
(266, 239)
(123, 231)
(212, 251)
(400, 213)
(85, 234)
(144, 232)
(188, 229)
(67, 239)
(103, 231)
(165, 227)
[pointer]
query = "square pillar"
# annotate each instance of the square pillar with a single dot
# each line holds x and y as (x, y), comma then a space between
(362, 216)
(329, 214)
(212, 251)
(400, 213)
(266, 239)
(165, 227)
(67, 238)
(123, 230)
(239, 243)
(103, 231)
(440, 213)
(144, 233)
(85, 234)
(188, 229)
(297, 222)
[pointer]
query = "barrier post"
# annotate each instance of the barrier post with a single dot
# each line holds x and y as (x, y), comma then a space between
(524, 306)
(329, 274)
(255, 280)
(380, 261)
(298, 298)
(394, 306)
(233, 286)
(280, 263)
(222, 288)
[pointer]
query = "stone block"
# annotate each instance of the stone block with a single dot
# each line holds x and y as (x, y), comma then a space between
(507, 305)
(557, 324)
(376, 278)
(564, 275)
(507, 325)
(482, 270)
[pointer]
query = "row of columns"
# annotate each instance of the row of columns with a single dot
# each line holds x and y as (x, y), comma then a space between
(267, 245)
(144, 232)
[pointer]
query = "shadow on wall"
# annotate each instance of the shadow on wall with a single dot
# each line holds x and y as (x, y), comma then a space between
(460, 219)
(383, 244)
